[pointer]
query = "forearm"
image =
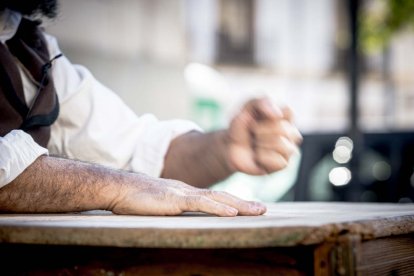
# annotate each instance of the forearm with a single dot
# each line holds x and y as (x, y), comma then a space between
(60, 185)
(198, 158)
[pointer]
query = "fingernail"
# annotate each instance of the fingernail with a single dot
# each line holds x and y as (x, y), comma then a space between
(259, 208)
(232, 211)
(255, 211)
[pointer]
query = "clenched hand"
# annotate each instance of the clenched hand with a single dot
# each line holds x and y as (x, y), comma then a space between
(261, 138)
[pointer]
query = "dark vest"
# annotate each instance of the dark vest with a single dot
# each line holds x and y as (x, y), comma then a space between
(29, 48)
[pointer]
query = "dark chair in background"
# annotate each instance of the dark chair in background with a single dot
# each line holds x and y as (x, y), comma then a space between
(385, 174)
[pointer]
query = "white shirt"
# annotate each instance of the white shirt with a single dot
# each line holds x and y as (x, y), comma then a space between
(94, 124)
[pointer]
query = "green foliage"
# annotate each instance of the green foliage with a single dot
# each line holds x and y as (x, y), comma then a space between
(381, 20)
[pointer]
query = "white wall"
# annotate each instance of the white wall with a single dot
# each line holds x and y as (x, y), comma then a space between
(296, 35)
(129, 28)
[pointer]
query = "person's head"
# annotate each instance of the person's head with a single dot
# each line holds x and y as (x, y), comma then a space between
(46, 8)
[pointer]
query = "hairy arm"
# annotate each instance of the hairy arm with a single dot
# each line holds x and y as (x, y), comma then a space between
(60, 185)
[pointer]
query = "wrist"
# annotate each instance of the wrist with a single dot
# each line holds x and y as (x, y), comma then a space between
(113, 189)
(224, 146)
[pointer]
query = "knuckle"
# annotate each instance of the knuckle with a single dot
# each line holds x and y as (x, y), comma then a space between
(207, 192)
(285, 129)
(215, 195)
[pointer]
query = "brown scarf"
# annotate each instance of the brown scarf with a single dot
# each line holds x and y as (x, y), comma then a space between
(28, 46)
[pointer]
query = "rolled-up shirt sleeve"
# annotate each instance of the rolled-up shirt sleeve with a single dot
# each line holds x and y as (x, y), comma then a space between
(152, 145)
(18, 151)
(95, 125)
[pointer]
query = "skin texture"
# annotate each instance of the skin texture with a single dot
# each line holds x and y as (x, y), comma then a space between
(60, 185)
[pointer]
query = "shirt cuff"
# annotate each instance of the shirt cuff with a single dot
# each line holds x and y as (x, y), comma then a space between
(18, 151)
(150, 154)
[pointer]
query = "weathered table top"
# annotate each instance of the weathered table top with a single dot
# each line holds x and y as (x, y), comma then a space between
(285, 224)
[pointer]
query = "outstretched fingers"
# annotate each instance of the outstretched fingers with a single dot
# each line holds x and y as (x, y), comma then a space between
(245, 208)
(201, 203)
(219, 203)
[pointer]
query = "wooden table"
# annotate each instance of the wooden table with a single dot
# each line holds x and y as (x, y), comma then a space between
(290, 239)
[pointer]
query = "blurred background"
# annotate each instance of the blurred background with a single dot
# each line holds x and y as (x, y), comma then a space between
(345, 67)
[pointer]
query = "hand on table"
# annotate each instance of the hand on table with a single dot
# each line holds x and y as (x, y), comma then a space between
(156, 196)
(261, 138)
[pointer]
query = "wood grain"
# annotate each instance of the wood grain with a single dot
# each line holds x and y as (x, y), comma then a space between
(387, 256)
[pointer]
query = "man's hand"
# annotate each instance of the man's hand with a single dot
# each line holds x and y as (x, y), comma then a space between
(154, 196)
(261, 138)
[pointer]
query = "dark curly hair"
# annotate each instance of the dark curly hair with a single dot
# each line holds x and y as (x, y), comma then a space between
(47, 8)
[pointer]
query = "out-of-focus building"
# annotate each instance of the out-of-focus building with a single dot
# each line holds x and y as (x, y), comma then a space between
(202, 59)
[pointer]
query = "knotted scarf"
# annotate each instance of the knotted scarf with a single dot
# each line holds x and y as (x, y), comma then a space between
(27, 47)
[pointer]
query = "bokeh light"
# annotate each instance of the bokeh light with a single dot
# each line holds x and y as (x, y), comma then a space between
(340, 176)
